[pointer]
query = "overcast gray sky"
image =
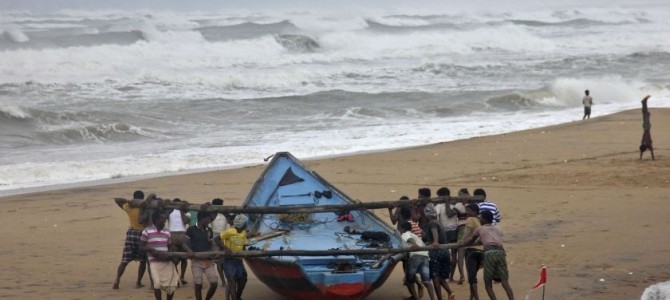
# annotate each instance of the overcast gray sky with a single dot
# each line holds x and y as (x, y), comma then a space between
(44, 6)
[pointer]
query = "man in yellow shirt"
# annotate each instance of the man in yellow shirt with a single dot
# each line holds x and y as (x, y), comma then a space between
(131, 248)
(232, 240)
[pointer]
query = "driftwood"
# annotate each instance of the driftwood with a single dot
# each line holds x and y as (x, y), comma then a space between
(268, 253)
(300, 209)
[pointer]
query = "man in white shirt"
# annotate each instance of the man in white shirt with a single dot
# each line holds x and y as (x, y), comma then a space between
(177, 221)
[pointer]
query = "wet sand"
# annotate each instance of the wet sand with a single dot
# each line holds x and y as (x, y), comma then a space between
(574, 197)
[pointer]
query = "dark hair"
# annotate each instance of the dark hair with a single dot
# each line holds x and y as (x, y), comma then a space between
(443, 191)
(404, 198)
(138, 195)
(406, 226)
(479, 192)
(473, 207)
(217, 201)
(157, 215)
(424, 192)
(203, 214)
(176, 200)
(487, 216)
(643, 147)
(406, 212)
(586, 92)
(464, 191)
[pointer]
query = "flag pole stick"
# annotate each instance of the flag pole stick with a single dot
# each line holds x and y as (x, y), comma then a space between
(543, 291)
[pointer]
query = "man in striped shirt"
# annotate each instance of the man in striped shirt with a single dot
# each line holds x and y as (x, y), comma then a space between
(155, 241)
(487, 205)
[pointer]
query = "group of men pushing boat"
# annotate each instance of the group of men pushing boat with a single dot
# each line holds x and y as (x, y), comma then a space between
(149, 239)
(459, 222)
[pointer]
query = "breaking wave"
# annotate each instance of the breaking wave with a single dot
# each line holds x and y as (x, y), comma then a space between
(247, 30)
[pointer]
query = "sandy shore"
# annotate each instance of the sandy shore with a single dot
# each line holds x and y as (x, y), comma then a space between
(574, 197)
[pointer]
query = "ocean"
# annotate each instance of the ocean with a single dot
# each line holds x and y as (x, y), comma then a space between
(88, 95)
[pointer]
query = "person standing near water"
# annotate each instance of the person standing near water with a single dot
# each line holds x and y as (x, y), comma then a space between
(646, 142)
(587, 101)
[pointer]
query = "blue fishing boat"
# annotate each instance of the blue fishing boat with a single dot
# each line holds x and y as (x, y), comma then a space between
(286, 182)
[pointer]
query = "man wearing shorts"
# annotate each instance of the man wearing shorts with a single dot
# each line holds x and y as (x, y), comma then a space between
(131, 247)
(474, 257)
(440, 263)
(232, 240)
(200, 237)
(417, 263)
(495, 261)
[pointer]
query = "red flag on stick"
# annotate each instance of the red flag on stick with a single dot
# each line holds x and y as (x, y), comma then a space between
(540, 283)
(543, 278)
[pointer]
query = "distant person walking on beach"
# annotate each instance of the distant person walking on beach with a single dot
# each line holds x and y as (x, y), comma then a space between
(646, 125)
(131, 248)
(495, 261)
(587, 101)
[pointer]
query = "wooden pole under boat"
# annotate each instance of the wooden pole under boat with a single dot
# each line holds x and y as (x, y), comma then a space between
(261, 253)
(300, 209)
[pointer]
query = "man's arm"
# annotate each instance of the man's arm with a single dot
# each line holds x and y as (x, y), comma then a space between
(393, 216)
(436, 237)
(469, 238)
(120, 202)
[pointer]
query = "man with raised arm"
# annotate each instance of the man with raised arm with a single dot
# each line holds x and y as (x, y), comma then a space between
(131, 247)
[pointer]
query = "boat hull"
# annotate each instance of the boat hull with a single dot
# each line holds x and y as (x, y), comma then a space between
(289, 280)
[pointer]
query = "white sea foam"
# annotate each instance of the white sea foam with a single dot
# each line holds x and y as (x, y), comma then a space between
(658, 291)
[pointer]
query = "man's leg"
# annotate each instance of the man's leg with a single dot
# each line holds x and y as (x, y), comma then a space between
(232, 289)
(157, 294)
(119, 273)
(183, 271)
(460, 262)
(508, 289)
(454, 257)
(198, 291)
(488, 283)
(437, 286)
(431, 291)
(219, 269)
(412, 291)
(211, 290)
(140, 273)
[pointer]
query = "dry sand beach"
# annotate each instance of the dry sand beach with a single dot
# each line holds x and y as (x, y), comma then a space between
(574, 197)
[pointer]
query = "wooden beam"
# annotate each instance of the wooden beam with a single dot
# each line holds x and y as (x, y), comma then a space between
(332, 252)
(301, 209)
